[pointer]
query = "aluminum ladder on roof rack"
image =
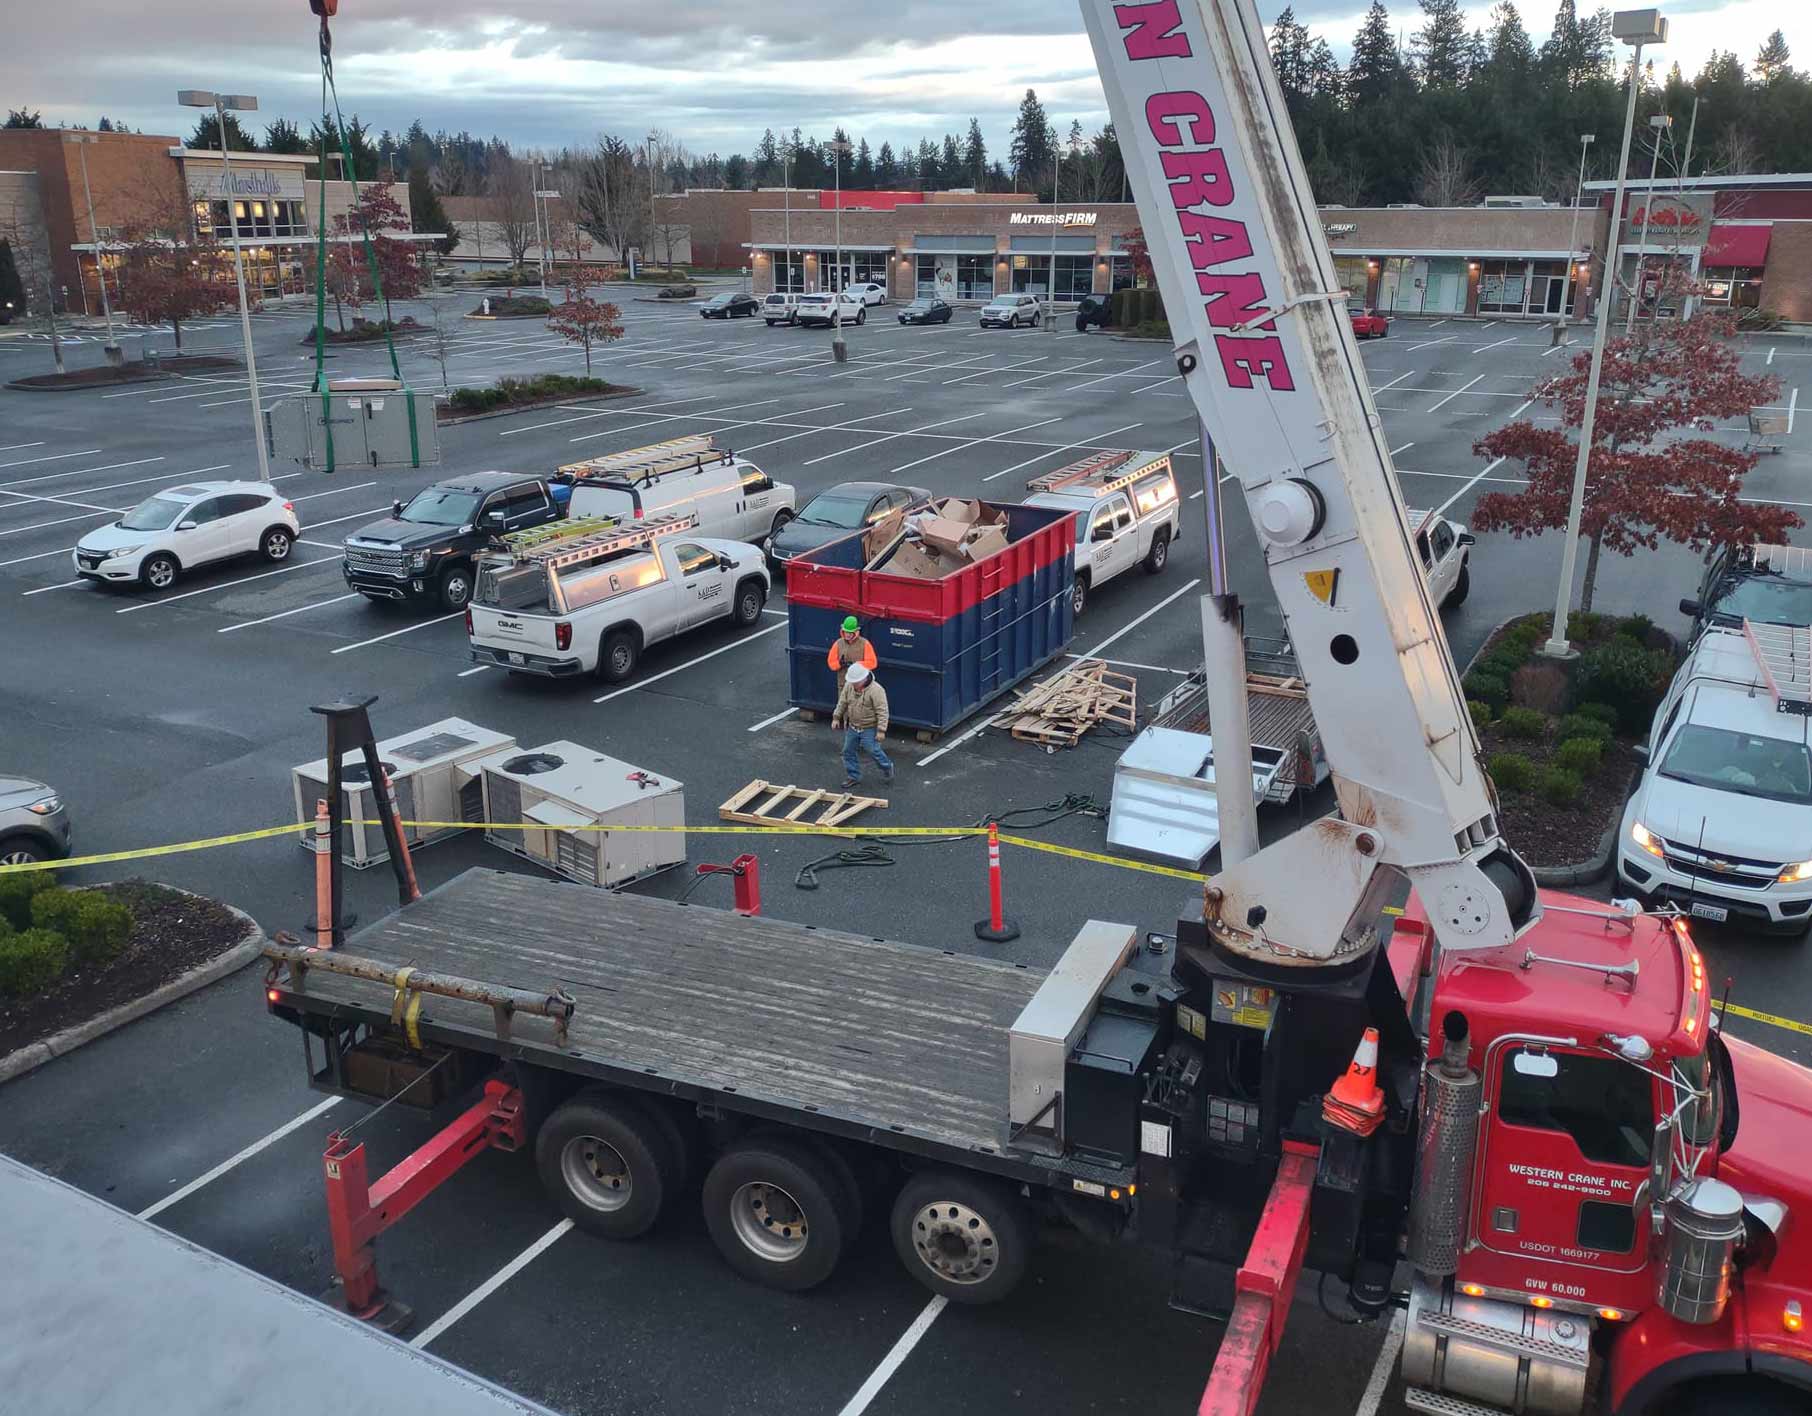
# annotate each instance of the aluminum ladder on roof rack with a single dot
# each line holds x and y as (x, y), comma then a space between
(591, 537)
(683, 454)
(1092, 466)
(1784, 654)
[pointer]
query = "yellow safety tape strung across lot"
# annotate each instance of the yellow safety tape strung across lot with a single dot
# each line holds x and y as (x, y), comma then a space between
(1120, 861)
(1790, 1024)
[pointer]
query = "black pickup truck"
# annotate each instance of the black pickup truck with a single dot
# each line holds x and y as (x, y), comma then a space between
(424, 550)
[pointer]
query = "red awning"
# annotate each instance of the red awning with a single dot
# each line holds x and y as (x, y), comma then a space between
(1732, 245)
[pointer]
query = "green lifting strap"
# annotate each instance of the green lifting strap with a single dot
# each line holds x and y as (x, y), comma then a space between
(330, 92)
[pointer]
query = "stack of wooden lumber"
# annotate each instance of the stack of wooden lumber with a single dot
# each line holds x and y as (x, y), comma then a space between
(1057, 712)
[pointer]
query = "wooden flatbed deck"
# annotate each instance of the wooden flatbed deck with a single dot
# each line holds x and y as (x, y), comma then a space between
(886, 1035)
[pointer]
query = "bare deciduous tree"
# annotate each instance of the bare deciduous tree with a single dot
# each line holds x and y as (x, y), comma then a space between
(511, 193)
(1445, 179)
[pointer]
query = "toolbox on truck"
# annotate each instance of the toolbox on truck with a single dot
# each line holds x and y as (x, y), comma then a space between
(947, 644)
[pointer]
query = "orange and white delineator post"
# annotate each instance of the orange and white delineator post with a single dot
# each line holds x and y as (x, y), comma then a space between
(997, 928)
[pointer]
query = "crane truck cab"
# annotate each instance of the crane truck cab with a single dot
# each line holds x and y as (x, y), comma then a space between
(1127, 514)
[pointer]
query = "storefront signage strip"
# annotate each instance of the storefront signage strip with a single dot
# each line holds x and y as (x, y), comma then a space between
(1051, 218)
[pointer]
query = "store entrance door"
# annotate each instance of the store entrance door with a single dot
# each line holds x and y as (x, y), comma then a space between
(1446, 292)
(1387, 285)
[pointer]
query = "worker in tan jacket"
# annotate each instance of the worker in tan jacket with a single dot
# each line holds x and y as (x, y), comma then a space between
(848, 648)
(862, 714)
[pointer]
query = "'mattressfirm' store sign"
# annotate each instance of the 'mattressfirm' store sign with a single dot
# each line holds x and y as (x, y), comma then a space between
(1051, 218)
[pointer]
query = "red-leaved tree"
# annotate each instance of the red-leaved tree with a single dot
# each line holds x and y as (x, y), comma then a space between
(581, 320)
(398, 262)
(1650, 477)
(166, 276)
(1138, 255)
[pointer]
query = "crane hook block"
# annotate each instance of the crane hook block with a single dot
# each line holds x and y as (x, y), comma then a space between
(326, 9)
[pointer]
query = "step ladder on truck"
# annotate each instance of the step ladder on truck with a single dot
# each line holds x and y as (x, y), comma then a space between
(1512, 1115)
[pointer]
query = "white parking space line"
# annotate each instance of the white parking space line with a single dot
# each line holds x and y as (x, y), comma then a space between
(84, 471)
(690, 663)
(60, 521)
(1128, 628)
(1143, 668)
(15, 447)
(1193, 495)
(355, 487)
(406, 629)
(1770, 360)
(769, 722)
(492, 1284)
(169, 478)
(40, 498)
(1103, 378)
(602, 412)
(1437, 324)
(895, 1358)
(1393, 383)
(1054, 373)
(353, 516)
(50, 457)
(227, 585)
(1444, 339)
(1405, 448)
(967, 417)
(977, 442)
(1381, 1369)
(1071, 447)
(1005, 368)
(38, 556)
(1792, 404)
(834, 427)
(1472, 482)
(1458, 391)
(60, 585)
(176, 1196)
(285, 614)
(467, 673)
(1487, 348)
(715, 414)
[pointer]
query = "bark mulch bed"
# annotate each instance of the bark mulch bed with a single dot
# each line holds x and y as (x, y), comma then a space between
(1549, 835)
(136, 371)
(171, 934)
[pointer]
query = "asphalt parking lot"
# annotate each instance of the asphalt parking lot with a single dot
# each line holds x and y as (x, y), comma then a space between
(173, 716)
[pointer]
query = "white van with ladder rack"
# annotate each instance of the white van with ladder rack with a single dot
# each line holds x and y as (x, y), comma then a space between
(730, 496)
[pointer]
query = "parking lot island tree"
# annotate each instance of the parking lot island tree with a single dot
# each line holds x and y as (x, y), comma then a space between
(1653, 474)
(581, 320)
(171, 280)
(349, 272)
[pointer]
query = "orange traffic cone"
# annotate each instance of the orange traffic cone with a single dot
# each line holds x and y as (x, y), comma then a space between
(1356, 1102)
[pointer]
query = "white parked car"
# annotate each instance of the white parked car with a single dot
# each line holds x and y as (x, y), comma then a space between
(869, 292)
(183, 527)
(1721, 822)
(1127, 514)
(822, 308)
(1012, 310)
(1444, 548)
(592, 599)
(779, 308)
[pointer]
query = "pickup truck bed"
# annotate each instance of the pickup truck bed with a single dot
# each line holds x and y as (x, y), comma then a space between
(865, 1037)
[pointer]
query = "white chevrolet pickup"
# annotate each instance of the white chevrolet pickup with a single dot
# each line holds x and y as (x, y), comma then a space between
(589, 596)
(1127, 514)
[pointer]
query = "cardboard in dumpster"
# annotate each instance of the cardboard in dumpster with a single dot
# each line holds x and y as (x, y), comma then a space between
(882, 534)
(944, 533)
(984, 541)
(920, 562)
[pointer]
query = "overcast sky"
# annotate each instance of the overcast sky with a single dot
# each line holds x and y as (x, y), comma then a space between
(546, 73)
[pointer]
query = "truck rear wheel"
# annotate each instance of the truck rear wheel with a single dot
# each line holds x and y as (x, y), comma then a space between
(1457, 595)
(617, 656)
(1159, 554)
(778, 1212)
(608, 1165)
(1078, 597)
(964, 1237)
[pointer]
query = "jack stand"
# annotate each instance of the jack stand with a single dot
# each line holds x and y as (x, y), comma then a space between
(357, 1211)
(745, 873)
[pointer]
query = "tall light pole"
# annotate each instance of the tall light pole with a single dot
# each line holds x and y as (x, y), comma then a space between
(839, 350)
(786, 202)
(1659, 124)
(1050, 292)
(222, 104)
(652, 139)
(1569, 291)
(544, 236)
(1637, 28)
(81, 142)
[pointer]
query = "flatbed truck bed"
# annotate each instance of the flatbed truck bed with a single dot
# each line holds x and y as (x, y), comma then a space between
(873, 1040)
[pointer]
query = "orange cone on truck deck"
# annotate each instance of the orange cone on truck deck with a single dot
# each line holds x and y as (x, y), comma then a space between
(1356, 1102)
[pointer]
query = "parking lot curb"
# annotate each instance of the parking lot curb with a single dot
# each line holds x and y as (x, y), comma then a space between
(36, 1054)
(565, 401)
(23, 387)
(1585, 872)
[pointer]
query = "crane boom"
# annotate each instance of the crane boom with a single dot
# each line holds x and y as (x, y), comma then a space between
(1266, 351)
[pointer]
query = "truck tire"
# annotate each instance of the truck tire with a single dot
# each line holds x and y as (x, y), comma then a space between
(276, 543)
(1457, 595)
(1079, 597)
(1159, 554)
(681, 1136)
(607, 1164)
(1731, 1396)
(778, 1213)
(617, 656)
(456, 586)
(750, 597)
(159, 571)
(964, 1237)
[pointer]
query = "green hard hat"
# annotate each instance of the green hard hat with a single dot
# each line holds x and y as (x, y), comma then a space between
(850, 626)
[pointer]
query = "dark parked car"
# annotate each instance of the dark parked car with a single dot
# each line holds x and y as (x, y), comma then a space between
(835, 512)
(1767, 584)
(33, 822)
(730, 306)
(927, 309)
(1094, 310)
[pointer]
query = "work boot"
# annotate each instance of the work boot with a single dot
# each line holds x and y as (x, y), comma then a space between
(887, 776)
(850, 782)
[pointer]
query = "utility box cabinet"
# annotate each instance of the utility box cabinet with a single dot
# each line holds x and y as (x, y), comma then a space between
(353, 428)
(559, 804)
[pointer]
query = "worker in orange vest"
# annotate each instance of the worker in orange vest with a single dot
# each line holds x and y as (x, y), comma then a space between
(849, 648)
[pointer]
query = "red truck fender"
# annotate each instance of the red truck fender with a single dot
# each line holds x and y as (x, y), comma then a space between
(1656, 1355)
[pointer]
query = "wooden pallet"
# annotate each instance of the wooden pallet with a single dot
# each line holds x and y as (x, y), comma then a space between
(833, 808)
(1057, 712)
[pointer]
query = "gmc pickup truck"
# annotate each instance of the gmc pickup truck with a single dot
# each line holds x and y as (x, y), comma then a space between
(590, 595)
(425, 550)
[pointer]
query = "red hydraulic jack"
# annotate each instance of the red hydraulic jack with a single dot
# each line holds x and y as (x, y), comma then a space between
(1264, 1286)
(357, 1212)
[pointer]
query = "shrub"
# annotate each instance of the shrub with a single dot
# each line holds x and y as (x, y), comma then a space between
(55, 909)
(1637, 627)
(1603, 712)
(1481, 712)
(1625, 674)
(1499, 664)
(1581, 755)
(508, 391)
(1580, 727)
(1542, 687)
(1526, 635)
(97, 930)
(31, 961)
(1587, 626)
(1560, 786)
(677, 292)
(514, 305)
(1512, 771)
(1758, 319)
(16, 891)
(1487, 689)
(1522, 723)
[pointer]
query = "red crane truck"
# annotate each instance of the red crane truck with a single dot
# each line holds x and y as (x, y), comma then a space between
(1511, 1115)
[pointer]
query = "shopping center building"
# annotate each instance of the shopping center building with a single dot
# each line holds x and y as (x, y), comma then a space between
(138, 179)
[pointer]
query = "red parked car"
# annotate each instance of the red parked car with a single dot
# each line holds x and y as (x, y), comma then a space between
(1369, 324)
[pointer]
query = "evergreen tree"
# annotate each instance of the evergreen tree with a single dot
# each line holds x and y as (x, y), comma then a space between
(887, 169)
(862, 170)
(736, 172)
(1508, 50)
(206, 136)
(1290, 57)
(975, 157)
(105, 125)
(20, 118)
(283, 136)
(767, 166)
(426, 212)
(1376, 68)
(1771, 62)
(950, 163)
(1030, 150)
(1441, 48)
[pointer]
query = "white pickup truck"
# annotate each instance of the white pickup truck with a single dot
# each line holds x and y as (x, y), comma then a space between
(1127, 514)
(588, 596)
(1444, 548)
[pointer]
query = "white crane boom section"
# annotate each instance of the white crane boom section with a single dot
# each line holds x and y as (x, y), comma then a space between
(1266, 351)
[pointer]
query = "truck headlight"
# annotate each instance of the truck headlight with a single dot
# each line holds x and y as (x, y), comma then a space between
(418, 560)
(1649, 842)
(1798, 871)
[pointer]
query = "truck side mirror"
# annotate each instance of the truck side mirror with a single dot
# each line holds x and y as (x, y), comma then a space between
(1468, 539)
(1641, 751)
(396, 507)
(725, 563)
(490, 521)
(1690, 608)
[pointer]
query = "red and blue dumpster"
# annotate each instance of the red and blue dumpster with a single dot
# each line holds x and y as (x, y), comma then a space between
(945, 646)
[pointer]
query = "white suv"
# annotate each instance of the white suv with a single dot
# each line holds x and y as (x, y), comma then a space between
(1721, 822)
(1012, 311)
(182, 527)
(779, 308)
(822, 308)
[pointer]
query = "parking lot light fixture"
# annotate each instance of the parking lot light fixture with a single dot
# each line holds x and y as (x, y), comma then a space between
(222, 104)
(1658, 124)
(839, 349)
(1570, 297)
(80, 141)
(1635, 28)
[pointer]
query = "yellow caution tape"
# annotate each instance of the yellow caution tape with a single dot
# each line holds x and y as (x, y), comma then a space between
(143, 852)
(1771, 1019)
(1100, 859)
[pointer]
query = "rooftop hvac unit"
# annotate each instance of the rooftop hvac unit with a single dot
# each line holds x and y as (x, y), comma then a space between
(568, 799)
(358, 423)
(435, 773)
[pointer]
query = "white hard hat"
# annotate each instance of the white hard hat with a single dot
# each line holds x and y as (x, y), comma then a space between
(858, 673)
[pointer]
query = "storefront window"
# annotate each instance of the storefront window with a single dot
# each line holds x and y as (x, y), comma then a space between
(1737, 287)
(1354, 276)
(1074, 275)
(789, 271)
(1503, 287)
(1122, 276)
(1551, 288)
